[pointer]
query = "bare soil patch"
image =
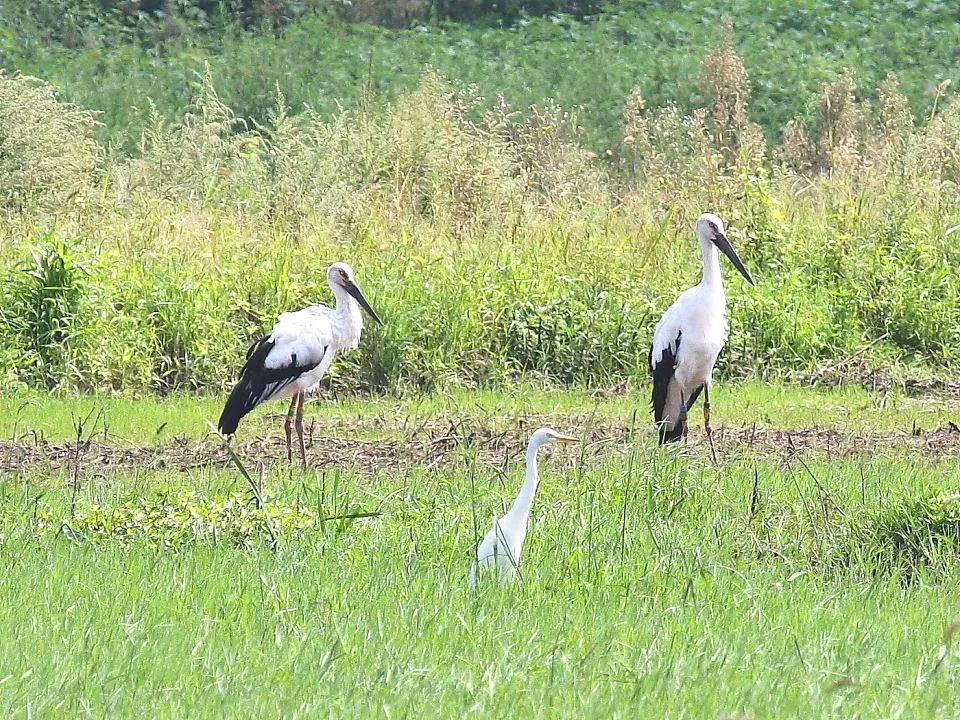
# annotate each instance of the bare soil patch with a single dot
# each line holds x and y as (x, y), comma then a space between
(837, 443)
(433, 444)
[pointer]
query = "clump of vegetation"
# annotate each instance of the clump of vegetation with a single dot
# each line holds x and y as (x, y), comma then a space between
(845, 520)
(47, 150)
(727, 84)
(175, 519)
(918, 534)
(200, 157)
(43, 313)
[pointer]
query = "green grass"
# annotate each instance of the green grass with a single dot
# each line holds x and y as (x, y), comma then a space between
(789, 51)
(783, 582)
(147, 420)
(653, 583)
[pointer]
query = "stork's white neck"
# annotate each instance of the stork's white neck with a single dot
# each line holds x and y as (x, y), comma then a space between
(520, 510)
(347, 306)
(711, 265)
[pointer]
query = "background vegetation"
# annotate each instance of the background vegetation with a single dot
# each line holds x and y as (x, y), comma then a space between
(143, 250)
(112, 55)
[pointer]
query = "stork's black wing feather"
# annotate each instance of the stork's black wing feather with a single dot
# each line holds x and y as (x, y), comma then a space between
(258, 383)
(250, 350)
(662, 369)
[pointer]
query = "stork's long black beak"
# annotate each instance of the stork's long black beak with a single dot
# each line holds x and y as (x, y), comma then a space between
(723, 243)
(358, 296)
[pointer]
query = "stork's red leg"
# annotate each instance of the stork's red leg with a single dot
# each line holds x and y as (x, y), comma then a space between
(288, 427)
(706, 422)
(298, 424)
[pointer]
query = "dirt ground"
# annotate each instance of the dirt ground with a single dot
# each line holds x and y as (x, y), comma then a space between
(435, 444)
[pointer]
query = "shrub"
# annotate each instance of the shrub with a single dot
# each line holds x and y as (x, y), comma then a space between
(936, 156)
(908, 536)
(727, 84)
(173, 519)
(207, 156)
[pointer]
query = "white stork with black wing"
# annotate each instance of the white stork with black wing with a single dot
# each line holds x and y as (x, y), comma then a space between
(295, 355)
(689, 337)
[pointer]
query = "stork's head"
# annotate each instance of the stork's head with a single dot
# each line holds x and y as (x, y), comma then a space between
(547, 436)
(340, 275)
(709, 225)
(710, 230)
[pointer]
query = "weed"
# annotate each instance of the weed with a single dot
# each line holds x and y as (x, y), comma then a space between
(43, 312)
(47, 151)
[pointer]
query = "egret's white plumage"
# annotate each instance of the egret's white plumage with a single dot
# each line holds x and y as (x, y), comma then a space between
(499, 551)
(690, 335)
(292, 358)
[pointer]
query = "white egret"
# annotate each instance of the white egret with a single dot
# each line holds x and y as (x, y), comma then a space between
(291, 359)
(689, 337)
(499, 551)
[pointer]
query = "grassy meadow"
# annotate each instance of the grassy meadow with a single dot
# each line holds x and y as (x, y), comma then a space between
(790, 580)
(518, 204)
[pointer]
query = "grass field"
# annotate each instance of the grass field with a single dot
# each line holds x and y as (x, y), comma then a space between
(812, 573)
(151, 231)
(657, 46)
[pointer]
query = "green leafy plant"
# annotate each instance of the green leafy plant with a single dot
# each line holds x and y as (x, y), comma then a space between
(42, 309)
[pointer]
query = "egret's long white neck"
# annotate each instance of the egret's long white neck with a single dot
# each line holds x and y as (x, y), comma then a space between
(520, 510)
(711, 264)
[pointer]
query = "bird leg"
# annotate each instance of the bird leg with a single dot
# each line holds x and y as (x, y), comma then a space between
(683, 415)
(298, 424)
(706, 422)
(288, 427)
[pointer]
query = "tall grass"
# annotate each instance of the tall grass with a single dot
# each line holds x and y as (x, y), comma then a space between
(491, 242)
(786, 586)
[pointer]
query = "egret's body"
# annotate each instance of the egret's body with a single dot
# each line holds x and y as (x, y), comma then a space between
(294, 356)
(499, 551)
(689, 337)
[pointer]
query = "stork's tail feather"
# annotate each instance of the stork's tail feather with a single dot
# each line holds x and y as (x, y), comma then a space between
(663, 368)
(250, 391)
(243, 398)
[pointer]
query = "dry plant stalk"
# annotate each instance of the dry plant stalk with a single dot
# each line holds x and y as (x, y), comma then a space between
(726, 82)
(837, 123)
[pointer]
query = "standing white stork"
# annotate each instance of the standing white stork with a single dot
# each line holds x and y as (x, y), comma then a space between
(499, 551)
(291, 359)
(689, 337)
